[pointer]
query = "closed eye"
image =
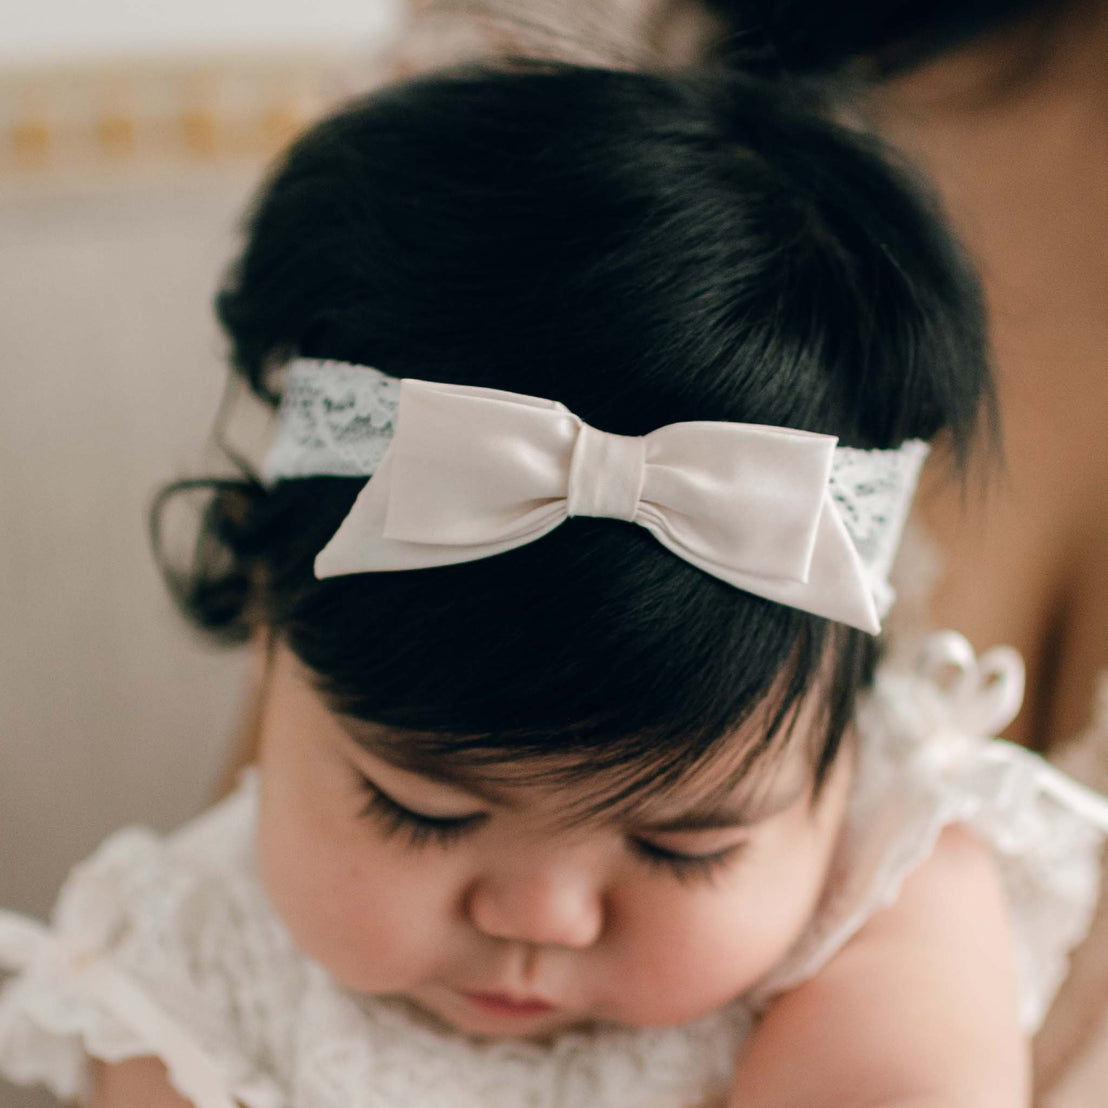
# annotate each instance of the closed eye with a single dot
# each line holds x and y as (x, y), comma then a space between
(417, 828)
(687, 867)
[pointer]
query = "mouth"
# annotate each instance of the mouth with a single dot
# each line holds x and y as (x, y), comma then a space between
(501, 1004)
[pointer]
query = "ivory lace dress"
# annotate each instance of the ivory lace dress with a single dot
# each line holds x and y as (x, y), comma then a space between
(168, 947)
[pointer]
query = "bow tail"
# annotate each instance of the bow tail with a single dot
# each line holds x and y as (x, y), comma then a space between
(837, 586)
(361, 546)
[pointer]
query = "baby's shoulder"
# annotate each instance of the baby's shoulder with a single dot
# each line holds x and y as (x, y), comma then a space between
(926, 760)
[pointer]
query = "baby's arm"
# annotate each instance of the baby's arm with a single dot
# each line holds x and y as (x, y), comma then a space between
(919, 1010)
(139, 1083)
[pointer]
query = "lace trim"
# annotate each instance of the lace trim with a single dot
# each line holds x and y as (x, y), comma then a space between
(872, 492)
(66, 1011)
(338, 423)
(379, 1044)
(337, 420)
(148, 955)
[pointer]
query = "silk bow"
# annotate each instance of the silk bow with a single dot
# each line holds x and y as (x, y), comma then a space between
(473, 472)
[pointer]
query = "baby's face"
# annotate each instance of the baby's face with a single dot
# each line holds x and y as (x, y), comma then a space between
(495, 916)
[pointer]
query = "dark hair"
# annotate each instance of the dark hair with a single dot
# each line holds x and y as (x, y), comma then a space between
(646, 250)
(885, 37)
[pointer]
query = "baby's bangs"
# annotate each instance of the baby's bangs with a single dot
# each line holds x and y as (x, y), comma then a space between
(593, 630)
(618, 780)
(615, 735)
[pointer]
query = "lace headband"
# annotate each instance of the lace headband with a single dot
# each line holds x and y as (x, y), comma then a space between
(462, 473)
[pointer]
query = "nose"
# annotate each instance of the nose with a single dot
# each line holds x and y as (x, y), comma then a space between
(553, 905)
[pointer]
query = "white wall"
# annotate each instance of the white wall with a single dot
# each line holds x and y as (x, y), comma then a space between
(49, 30)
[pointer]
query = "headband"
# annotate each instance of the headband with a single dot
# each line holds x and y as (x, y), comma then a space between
(462, 473)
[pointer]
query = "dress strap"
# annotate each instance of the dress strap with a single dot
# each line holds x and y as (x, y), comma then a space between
(1090, 805)
(25, 943)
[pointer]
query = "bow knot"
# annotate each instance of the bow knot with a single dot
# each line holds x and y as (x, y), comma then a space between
(606, 474)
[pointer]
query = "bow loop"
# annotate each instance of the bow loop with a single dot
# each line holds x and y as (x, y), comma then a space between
(471, 465)
(474, 472)
(750, 495)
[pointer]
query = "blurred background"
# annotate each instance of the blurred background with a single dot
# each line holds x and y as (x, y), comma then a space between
(131, 135)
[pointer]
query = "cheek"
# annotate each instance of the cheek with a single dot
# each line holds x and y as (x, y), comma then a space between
(694, 948)
(707, 954)
(347, 897)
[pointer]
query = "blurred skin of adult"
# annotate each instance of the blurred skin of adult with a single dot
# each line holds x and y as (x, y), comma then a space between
(1013, 129)
(1004, 105)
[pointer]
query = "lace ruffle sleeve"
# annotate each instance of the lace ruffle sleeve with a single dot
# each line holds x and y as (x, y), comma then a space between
(144, 957)
(926, 761)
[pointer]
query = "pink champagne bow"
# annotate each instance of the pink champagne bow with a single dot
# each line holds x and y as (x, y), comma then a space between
(473, 472)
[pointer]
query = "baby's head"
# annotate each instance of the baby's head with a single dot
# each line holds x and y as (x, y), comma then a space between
(583, 774)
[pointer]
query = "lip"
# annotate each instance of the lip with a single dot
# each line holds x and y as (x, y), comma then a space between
(503, 1004)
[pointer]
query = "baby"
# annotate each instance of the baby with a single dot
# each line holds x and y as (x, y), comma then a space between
(602, 401)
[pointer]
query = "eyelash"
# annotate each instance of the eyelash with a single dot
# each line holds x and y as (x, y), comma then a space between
(688, 867)
(419, 830)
